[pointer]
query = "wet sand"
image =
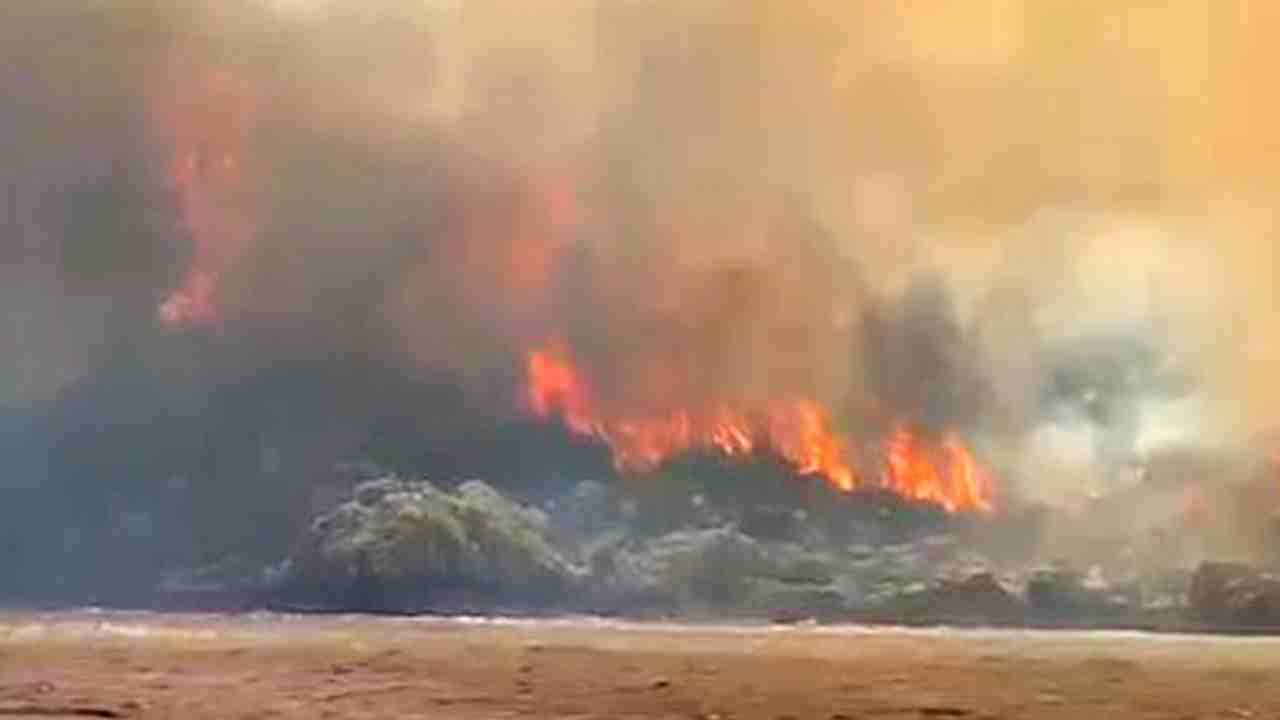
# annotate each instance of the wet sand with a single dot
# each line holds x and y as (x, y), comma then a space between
(88, 664)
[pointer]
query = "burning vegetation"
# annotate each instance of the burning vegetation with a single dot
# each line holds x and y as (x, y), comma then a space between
(798, 430)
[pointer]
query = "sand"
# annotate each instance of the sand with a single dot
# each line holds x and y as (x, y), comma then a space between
(93, 664)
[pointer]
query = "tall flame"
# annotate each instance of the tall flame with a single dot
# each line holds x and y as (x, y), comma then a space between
(207, 120)
(945, 473)
(800, 432)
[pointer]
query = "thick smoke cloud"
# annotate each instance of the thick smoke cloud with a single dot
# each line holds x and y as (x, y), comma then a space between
(1043, 225)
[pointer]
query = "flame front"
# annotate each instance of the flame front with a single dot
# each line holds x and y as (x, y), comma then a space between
(801, 433)
(554, 387)
(798, 430)
(945, 473)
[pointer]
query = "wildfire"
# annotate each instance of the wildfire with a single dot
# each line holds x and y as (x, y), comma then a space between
(554, 387)
(945, 473)
(942, 472)
(798, 429)
(207, 122)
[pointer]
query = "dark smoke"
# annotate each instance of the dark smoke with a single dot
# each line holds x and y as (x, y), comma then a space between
(921, 360)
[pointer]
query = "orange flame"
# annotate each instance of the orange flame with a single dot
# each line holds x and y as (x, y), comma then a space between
(942, 472)
(554, 387)
(798, 430)
(207, 122)
(946, 474)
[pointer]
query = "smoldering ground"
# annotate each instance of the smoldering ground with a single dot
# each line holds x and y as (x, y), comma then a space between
(1005, 221)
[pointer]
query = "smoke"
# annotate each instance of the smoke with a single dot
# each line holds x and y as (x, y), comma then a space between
(239, 230)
